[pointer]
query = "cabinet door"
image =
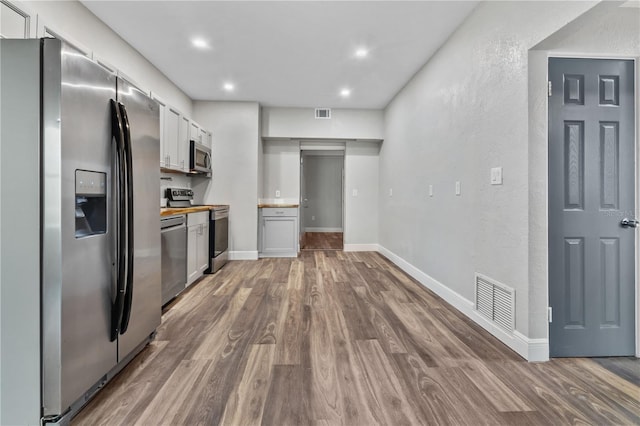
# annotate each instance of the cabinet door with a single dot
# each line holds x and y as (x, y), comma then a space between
(172, 138)
(203, 137)
(164, 155)
(279, 235)
(194, 133)
(184, 142)
(192, 254)
(203, 248)
(16, 22)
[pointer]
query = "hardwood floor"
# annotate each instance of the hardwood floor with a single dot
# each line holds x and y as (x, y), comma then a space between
(344, 338)
(322, 241)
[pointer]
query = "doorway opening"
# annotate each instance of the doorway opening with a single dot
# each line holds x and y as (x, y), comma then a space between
(321, 199)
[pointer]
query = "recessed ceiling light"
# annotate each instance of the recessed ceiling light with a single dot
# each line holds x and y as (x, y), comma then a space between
(362, 53)
(345, 93)
(200, 43)
(229, 87)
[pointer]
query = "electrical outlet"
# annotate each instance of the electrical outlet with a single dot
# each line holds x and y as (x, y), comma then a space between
(390, 192)
(277, 193)
(430, 190)
(458, 189)
(313, 218)
(354, 193)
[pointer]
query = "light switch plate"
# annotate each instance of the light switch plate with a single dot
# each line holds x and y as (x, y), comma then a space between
(390, 192)
(277, 193)
(496, 176)
(354, 193)
(430, 190)
(458, 189)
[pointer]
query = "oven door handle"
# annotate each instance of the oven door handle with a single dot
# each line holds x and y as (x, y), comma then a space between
(117, 305)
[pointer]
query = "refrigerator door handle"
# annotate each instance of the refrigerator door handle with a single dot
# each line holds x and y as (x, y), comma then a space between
(118, 303)
(128, 298)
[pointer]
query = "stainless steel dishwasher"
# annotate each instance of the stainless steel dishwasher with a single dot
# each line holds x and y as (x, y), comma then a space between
(173, 230)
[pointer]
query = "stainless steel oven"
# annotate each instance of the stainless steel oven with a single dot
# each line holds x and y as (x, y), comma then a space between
(218, 238)
(199, 158)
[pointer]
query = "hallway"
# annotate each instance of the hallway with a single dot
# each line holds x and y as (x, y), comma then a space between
(322, 241)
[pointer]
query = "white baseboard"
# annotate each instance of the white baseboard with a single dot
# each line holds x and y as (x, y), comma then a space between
(361, 247)
(243, 255)
(322, 229)
(530, 349)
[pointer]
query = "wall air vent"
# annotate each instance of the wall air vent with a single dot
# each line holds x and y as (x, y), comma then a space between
(323, 113)
(496, 302)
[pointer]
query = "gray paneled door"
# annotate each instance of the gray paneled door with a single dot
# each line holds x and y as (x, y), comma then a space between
(591, 191)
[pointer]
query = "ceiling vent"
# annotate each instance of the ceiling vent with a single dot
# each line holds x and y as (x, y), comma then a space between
(323, 113)
(496, 302)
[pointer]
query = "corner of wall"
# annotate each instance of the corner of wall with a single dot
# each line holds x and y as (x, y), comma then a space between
(533, 350)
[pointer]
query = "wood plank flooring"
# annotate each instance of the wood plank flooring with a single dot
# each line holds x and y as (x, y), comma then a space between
(322, 241)
(335, 338)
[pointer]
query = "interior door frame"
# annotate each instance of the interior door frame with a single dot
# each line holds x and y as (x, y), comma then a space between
(636, 61)
(324, 145)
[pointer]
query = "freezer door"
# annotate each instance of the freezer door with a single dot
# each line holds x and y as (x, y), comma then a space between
(77, 234)
(146, 303)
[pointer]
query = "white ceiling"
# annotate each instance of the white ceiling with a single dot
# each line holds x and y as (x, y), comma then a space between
(287, 53)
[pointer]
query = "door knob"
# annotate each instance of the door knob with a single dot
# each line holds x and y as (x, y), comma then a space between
(629, 223)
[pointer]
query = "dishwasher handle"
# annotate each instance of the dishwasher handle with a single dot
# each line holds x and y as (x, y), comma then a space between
(172, 222)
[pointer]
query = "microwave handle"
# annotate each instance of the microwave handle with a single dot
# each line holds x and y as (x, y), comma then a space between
(207, 160)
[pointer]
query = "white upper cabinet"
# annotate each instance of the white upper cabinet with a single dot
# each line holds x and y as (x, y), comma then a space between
(164, 156)
(203, 136)
(172, 151)
(195, 132)
(172, 138)
(184, 141)
(176, 132)
(16, 22)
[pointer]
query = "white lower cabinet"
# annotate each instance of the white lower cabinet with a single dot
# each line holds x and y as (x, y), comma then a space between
(278, 232)
(197, 245)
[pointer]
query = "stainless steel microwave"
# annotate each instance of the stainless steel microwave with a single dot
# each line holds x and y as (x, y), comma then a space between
(199, 158)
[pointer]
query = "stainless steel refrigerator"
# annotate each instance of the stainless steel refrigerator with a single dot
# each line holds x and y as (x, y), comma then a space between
(99, 257)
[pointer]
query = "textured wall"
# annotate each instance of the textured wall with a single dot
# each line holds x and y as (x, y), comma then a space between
(361, 165)
(281, 170)
(301, 123)
(465, 112)
(236, 137)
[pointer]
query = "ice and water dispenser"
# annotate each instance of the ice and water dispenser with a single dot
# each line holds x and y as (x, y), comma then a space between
(91, 203)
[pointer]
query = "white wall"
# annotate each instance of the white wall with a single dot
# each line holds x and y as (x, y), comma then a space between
(281, 170)
(236, 138)
(323, 190)
(464, 112)
(300, 123)
(361, 211)
(71, 19)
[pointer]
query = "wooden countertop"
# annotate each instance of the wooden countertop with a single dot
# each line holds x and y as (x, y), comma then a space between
(278, 206)
(172, 211)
